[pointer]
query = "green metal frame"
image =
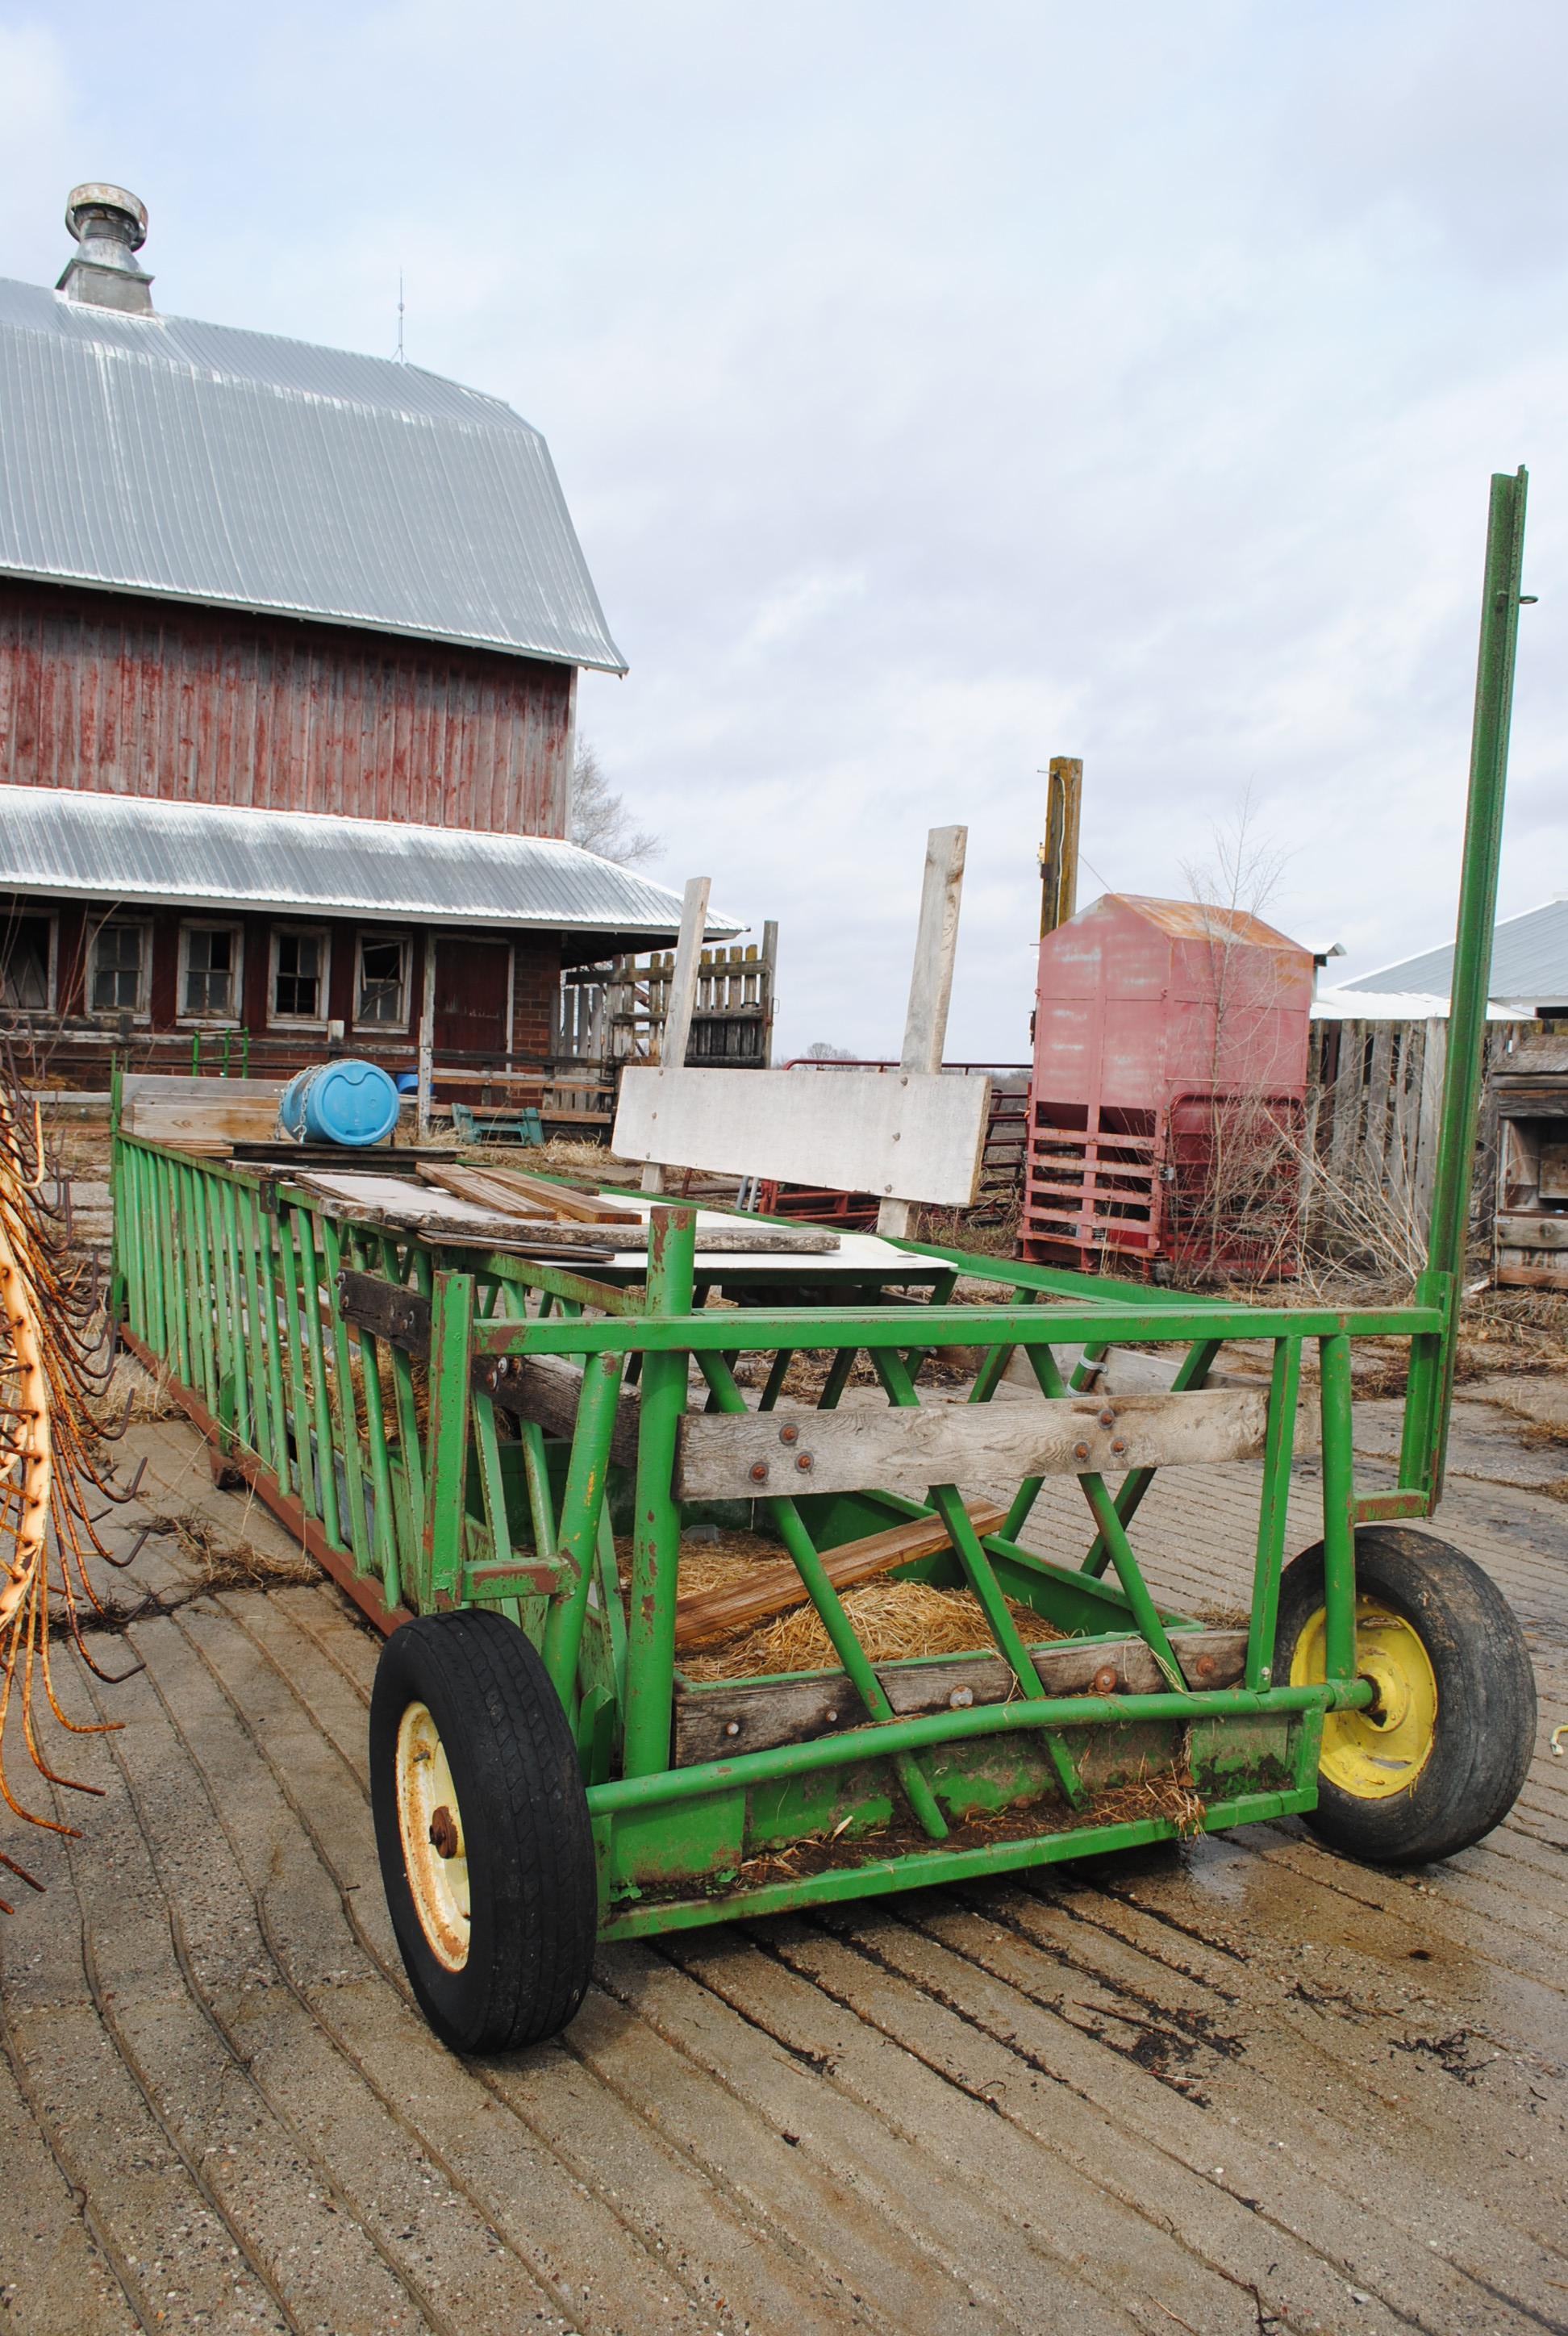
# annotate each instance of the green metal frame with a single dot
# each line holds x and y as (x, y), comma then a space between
(356, 1377)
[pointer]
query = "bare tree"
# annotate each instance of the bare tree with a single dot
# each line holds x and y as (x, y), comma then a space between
(819, 1051)
(598, 820)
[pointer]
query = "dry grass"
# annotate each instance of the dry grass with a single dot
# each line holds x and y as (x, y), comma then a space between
(140, 1393)
(226, 1562)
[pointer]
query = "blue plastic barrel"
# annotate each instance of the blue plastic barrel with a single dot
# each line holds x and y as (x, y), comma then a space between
(345, 1102)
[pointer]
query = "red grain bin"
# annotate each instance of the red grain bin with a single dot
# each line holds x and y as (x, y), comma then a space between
(1168, 1095)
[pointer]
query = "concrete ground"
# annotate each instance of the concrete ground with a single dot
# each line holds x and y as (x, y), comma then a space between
(1237, 2087)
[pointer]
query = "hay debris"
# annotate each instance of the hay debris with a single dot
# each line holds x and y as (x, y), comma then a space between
(225, 1562)
(893, 1620)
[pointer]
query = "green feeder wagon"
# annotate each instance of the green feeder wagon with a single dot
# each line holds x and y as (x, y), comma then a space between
(463, 1431)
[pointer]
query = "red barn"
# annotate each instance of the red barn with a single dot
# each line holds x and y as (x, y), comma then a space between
(1169, 1079)
(290, 641)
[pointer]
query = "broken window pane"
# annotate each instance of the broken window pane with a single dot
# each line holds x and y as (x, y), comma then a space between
(383, 982)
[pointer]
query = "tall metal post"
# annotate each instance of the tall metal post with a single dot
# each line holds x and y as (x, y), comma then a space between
(1431, 1390)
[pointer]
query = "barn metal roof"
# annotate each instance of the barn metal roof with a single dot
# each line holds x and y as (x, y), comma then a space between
(1529, 961)
(57, 842)
(160, 455)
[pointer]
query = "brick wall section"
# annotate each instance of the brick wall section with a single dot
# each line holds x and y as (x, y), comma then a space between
(536, 980)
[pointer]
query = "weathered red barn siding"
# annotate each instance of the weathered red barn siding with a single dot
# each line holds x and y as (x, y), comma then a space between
(102, 691)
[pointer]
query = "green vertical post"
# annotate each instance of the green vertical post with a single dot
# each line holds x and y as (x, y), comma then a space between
(1279, 1445)
(1339, 1509)
(655, 1546)
(581, 1506)
(446, 1498)
(1431, 1389)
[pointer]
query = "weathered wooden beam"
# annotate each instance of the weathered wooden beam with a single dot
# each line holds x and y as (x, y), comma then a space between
(931, 991)
(709, 1614)
(907, 1450)
(729, 1716)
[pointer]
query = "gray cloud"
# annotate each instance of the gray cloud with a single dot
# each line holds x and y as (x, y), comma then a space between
(938, 390)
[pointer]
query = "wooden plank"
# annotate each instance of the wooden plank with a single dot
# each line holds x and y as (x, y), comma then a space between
(1528, 1230)
(890, 1132)
(681, 996)
(484, 1191)
(169, 1087)
(930, 984)
(561, 1200)
(209, 1124)
(772, 1589)
(716, 1722)
(964, 1444)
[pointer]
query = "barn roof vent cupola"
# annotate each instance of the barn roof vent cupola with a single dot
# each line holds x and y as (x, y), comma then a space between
(110, 225)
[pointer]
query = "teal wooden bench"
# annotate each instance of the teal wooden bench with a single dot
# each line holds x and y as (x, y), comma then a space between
(472, 1126)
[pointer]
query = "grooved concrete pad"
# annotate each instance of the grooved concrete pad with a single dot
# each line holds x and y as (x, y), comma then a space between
(1236, 2088)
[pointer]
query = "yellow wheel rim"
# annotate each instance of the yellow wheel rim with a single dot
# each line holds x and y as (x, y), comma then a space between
(435, 1850)
(1380, 1751)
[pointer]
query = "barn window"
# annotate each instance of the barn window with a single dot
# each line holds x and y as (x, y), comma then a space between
(209, 972)
(26, 965)
(381, 993)
(299, 976)
(119, 982)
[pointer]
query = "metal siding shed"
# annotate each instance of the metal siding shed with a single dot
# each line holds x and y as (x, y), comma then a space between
(162, 455)
(1529, 961)
(63, 843)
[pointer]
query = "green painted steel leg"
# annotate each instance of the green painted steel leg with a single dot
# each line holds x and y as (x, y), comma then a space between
(446, 1498)
(841, 1630)
(1190, 1372)
(1129, 1574)
(656, 1544)
(1278, 1450)
(1339, 1510)
(582, 1506)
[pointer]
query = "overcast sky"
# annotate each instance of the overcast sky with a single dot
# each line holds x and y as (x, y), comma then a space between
(937, 389)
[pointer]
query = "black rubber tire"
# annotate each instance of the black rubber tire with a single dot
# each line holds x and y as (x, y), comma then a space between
(533, 1895)
(1485, 1725)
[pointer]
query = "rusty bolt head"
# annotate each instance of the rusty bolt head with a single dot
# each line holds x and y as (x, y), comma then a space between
(789, 1434)
(732, 1728)
(831, 1718)
(1108, 1417)
(443, 1837)
(759, 1472)
(1080, 1451)
(1206, 1666)
(803, 1461)
(1105, 1679)
(1118, 1445)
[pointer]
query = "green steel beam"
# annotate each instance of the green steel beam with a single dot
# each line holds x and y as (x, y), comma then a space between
(1429, 1399)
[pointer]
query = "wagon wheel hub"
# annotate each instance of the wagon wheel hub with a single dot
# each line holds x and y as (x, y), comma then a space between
(435, 1854)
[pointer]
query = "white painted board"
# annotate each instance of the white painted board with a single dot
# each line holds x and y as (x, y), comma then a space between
(915, 1136)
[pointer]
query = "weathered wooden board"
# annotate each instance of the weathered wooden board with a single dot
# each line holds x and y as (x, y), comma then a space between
(508, 1188)
(1526, 1229)
(714, 1723)
(709, 1614)
(906, 1451)
(199, 1121)
(914, 1136)
(442, 1216)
